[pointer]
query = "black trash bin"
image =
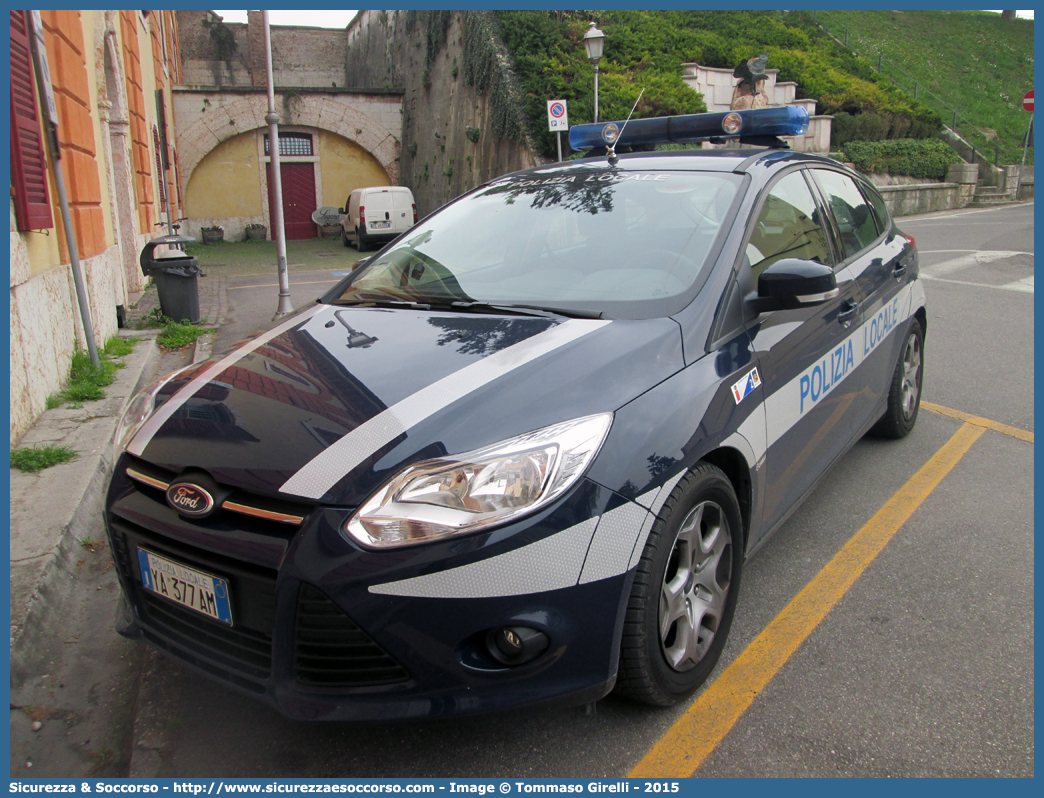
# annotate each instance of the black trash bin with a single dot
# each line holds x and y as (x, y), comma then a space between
(175, 274)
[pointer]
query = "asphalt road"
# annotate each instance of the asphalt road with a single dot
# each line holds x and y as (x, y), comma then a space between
(924, 667)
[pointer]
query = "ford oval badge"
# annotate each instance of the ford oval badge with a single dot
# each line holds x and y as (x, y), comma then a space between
(189, 499)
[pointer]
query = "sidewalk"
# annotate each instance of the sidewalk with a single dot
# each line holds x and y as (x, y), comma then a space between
(81, 703)
(56, 514)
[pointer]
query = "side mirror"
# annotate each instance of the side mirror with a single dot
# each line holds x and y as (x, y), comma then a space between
(340, 210)
(793, 283)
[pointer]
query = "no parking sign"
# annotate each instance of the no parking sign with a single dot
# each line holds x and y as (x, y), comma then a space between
(557, 115)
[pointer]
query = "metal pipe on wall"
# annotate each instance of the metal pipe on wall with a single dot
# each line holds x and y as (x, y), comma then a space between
(43, 85)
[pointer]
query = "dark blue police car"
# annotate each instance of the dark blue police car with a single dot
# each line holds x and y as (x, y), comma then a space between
(523, 452)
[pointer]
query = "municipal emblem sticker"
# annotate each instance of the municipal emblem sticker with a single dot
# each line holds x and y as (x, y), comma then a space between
(742, 389)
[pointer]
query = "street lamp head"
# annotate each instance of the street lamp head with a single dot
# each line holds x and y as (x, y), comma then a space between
(594, 41)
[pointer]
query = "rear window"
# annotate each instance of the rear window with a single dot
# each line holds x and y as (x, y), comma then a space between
(377, 200)
(586, 240)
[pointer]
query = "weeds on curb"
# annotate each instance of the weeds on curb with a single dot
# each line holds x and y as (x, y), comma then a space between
(86, 380)
(36, 458)
(154, 318)
(118, 347)
(177, 334)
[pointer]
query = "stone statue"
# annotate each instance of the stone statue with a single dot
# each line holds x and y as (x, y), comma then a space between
(750, 92)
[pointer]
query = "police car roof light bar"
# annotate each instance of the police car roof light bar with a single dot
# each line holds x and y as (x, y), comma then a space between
(756, 125)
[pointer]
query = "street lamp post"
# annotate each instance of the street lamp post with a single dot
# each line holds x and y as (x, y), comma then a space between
(594, 41)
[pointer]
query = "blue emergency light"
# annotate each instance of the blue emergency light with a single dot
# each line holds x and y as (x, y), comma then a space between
(756, 124)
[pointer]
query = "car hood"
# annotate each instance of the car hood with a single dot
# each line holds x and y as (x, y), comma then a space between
(333, 402)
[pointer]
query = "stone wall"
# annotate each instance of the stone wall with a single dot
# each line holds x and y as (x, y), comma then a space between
(300, 56)
(376, 43)
(439, 161)
(907, 200)
(989, 174)
(46, 328)
(308, 56)
(200, 65)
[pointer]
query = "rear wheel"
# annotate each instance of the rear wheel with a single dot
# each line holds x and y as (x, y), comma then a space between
(904, 394)
(684, 592)
(359, 243)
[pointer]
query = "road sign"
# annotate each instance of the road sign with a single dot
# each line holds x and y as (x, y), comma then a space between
(44, 68)
(1027, 101)
(557, 115)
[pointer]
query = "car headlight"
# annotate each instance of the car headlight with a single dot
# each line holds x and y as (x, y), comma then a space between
(139, 408)
(455, 495)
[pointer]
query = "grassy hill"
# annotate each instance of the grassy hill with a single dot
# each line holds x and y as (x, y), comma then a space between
(973, 61)
(647, 48)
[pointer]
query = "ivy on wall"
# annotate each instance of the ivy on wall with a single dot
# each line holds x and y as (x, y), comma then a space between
(435, 25)
(222, 38)
(487, 67)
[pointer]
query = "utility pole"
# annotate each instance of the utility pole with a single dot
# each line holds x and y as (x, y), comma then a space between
(1022, 166)
(285, 306)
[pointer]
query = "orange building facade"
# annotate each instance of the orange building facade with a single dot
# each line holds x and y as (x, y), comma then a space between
(111, 74)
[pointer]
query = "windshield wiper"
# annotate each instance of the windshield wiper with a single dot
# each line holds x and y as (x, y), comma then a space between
(381, 302)
(467, 306)
(529, 310)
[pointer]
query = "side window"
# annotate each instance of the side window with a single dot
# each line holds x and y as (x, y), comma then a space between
(877, 204)
(855, 222)
(788, 226)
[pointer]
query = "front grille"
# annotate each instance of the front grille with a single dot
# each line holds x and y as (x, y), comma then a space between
(331, 651)
(247, 645)
(270, 516)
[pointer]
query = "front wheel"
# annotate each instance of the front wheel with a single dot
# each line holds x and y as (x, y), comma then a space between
(684, 592)
(904, 394)
(344, 237)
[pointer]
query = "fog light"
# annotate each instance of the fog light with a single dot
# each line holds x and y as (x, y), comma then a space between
(514, 645)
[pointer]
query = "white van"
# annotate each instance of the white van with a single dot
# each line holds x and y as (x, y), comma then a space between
(377, 214)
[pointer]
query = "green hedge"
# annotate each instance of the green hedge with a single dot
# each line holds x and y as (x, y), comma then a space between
(925, 158)
(871, 126)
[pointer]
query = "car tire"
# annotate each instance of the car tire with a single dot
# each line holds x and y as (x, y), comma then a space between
(904, 394)
(344, 237)
(691, 564)
(359, 243)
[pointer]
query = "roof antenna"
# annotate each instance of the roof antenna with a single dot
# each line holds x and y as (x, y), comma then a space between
(612, 147)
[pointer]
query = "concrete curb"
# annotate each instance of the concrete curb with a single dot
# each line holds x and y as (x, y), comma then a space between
(55, 512)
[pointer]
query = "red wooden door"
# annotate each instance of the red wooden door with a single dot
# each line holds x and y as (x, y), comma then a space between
(298, 200)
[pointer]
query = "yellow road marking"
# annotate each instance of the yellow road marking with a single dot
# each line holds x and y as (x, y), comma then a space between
(996, 426)
(276, 285)
(692, 738)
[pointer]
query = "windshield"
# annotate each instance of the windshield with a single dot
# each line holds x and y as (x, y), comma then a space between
(585, 239)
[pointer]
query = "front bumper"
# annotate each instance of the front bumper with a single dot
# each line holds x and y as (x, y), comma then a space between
(312, 640)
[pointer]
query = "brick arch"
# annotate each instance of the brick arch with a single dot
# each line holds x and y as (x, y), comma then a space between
(248, 113)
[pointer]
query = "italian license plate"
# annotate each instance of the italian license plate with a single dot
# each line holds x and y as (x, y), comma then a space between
(380, 225)
(201, 592)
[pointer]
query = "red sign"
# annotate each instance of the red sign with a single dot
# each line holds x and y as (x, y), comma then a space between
(1027, 101)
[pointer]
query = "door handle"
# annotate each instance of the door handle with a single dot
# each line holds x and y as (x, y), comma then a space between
(847, 313)
(899, 270)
